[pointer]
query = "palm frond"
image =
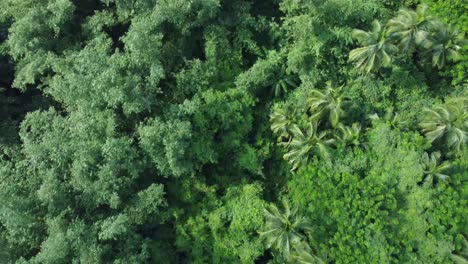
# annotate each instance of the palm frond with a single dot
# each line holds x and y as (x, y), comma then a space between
(283, 228)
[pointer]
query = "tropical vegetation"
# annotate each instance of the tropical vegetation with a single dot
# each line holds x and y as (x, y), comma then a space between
(241, 131)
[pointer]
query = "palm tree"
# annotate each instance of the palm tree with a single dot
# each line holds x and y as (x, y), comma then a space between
(305, 144)
(303, 255)
(443, 45)
(458, 259)
(461, 257)
(390, 117)
(283, 228)
(285, 81)
(331, 102)
(432, 168)
(448, 123)
(282, 120)
(376, 51)
(410, 28)
(349, 135)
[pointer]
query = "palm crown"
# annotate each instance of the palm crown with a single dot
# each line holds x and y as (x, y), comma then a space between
(410, 28)
(376, 51)
(331, 102)
(447, 122)
(432, 168)
(282, 120)
(283, 228)
(392, 118)
(350, 135)
(303, 255)
(305, 144)
(444, 44)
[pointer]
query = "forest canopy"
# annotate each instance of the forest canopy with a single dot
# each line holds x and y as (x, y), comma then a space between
(240, 131)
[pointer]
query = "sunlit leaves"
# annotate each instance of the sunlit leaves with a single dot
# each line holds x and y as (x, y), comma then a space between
(376, 202)
(224, 231)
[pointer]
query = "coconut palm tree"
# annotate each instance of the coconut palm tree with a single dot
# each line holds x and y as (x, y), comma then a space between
(303, 145)
(461, 257)
(447, 123)
(392, 118)
(410, 28)
(376, 51)
(349, 135)
(303, 255)
(458, 259)
(443, 45)
(282, 120)
(283, 228)
(432, 168)
(331, 102)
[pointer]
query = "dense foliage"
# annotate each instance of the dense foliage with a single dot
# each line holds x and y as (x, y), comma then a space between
(210, 131)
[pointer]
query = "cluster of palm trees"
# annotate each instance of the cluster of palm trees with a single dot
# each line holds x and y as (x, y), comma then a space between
(326, 108)
(287, 232)
(410, 31)
(445, 126)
